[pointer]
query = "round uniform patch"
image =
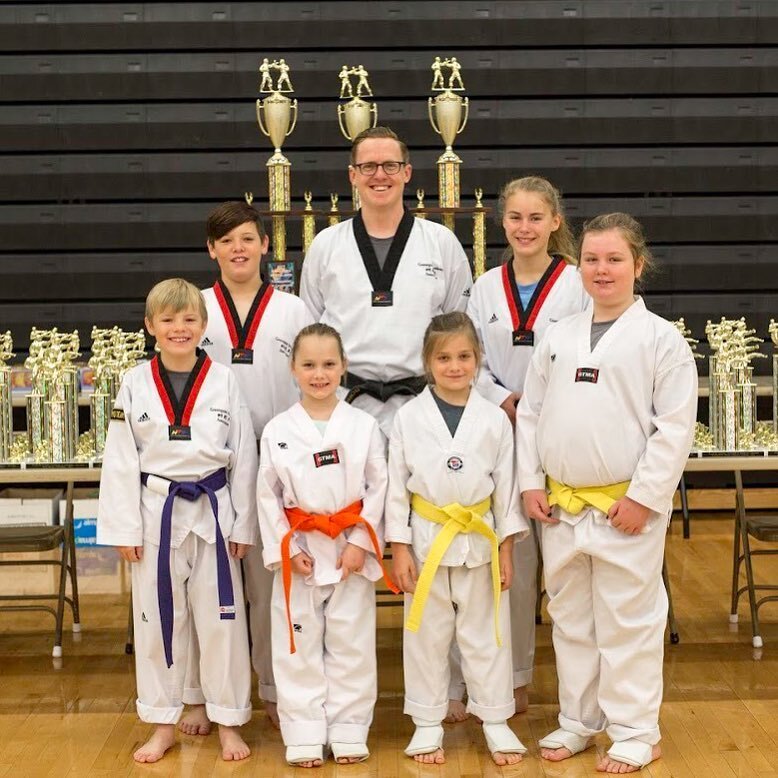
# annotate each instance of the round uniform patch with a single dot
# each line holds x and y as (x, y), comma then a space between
(454, 463)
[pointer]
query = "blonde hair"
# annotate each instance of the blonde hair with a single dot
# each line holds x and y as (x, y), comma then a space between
(561, 241)
(175, 294)
(322, 331)
(629, 228)
(443, 327)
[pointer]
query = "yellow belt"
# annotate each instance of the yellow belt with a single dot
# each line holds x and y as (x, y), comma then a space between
(455, 518)
(574, 499)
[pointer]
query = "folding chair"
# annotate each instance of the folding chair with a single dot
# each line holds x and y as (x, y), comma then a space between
(24, 540)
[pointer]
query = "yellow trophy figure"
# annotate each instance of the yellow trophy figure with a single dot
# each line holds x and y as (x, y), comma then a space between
(309, 222)
(479, 235)
(357, 114)
(448, 116)
(280, 120)
(6, 408)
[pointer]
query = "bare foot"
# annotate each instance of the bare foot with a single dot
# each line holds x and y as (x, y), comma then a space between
(505, 759)
(195, 721)
(557, 754)
(348, 760)
(607, 764)
(522, 699)
(271, 708)
(234, 747)
(313, 763)
(154, 748)
(436, 757)
(456, 713)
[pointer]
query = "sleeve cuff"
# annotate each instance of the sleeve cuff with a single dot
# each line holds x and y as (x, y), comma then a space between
(649, 500)
(360, 537)
(529, 481)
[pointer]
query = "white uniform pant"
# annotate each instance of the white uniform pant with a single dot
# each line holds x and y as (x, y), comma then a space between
(225, 668)
(327, 689)
(459, 605)
(522, 598)
(258, 584)
(609, 609)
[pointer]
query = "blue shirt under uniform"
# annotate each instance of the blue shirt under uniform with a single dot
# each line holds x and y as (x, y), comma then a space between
(525, 293)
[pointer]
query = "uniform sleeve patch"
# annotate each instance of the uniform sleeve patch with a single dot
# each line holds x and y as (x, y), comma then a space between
(117, 414)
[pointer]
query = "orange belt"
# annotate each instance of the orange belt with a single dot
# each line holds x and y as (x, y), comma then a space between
(331, 525)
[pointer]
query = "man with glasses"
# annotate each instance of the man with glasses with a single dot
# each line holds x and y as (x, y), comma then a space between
(380, 277)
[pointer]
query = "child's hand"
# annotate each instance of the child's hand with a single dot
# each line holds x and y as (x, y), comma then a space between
(351, 560)
(239, 550)
(130, 553)
(509, 406)
(506, 563)
(628, 516)
(403, 568)
(302, 563)
(536, 506)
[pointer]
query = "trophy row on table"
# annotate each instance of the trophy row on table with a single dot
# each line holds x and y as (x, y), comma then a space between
(52, 434)
(448, 111)
(732, 411)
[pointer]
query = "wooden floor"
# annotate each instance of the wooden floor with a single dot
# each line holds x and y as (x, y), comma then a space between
(720, 716)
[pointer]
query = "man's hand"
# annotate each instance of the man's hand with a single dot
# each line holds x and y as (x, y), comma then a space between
(239, 550)
(130, 553)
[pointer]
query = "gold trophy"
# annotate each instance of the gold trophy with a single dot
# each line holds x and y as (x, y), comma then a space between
(100, 402)
(36, 413)
(280, 120)
(334, 216)
(479, 235)
(420, 204)
(356, 115)
(309, 222)
(6, 407)
(448, 116)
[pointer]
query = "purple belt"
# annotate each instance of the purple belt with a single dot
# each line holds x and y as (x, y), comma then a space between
(190, 490)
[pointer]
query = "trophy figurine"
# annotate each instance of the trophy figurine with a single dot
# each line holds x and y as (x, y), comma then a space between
(479, 235)
(448, 116)
(356, 115)
(280, 120)
(309, 222)
(6, 408)
(36, 362)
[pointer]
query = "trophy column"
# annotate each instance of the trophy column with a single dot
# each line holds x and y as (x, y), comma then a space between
(356, 115)
(448, 116)
(280, 120)
(773, 330)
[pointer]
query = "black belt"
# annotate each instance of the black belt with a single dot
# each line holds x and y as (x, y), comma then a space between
(382, 390)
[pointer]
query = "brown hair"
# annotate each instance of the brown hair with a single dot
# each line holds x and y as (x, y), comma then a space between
(561, 241)
(228, 216)
(629, 228)
(443, 327)
(323, 331)
(378, 132)
(175, 294)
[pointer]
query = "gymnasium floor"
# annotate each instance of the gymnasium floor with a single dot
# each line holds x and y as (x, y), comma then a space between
(720, 716)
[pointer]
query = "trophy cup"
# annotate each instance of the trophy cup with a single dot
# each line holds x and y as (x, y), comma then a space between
(420, 204)
(6, 407)
(448, 116)
(280, 120)
(356, 115)
(773, 330)
(729, 403)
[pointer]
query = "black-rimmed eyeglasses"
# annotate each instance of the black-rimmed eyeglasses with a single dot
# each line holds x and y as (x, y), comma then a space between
(371, 168)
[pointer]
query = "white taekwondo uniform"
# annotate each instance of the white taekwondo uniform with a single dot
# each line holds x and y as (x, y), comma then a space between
(624, 411)
(383, 328)
(189, 440)
(327, 688)
(477, 463)
(266, 383)
(497, 312)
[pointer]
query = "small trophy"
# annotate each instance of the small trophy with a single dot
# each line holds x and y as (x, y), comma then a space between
(479, 235)
(356, 115)
(334, 215)
(280, 120)
(773, 330)
(6, 407)
(100, 402)
(448, 116)
(309, 222)
(36, 417)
